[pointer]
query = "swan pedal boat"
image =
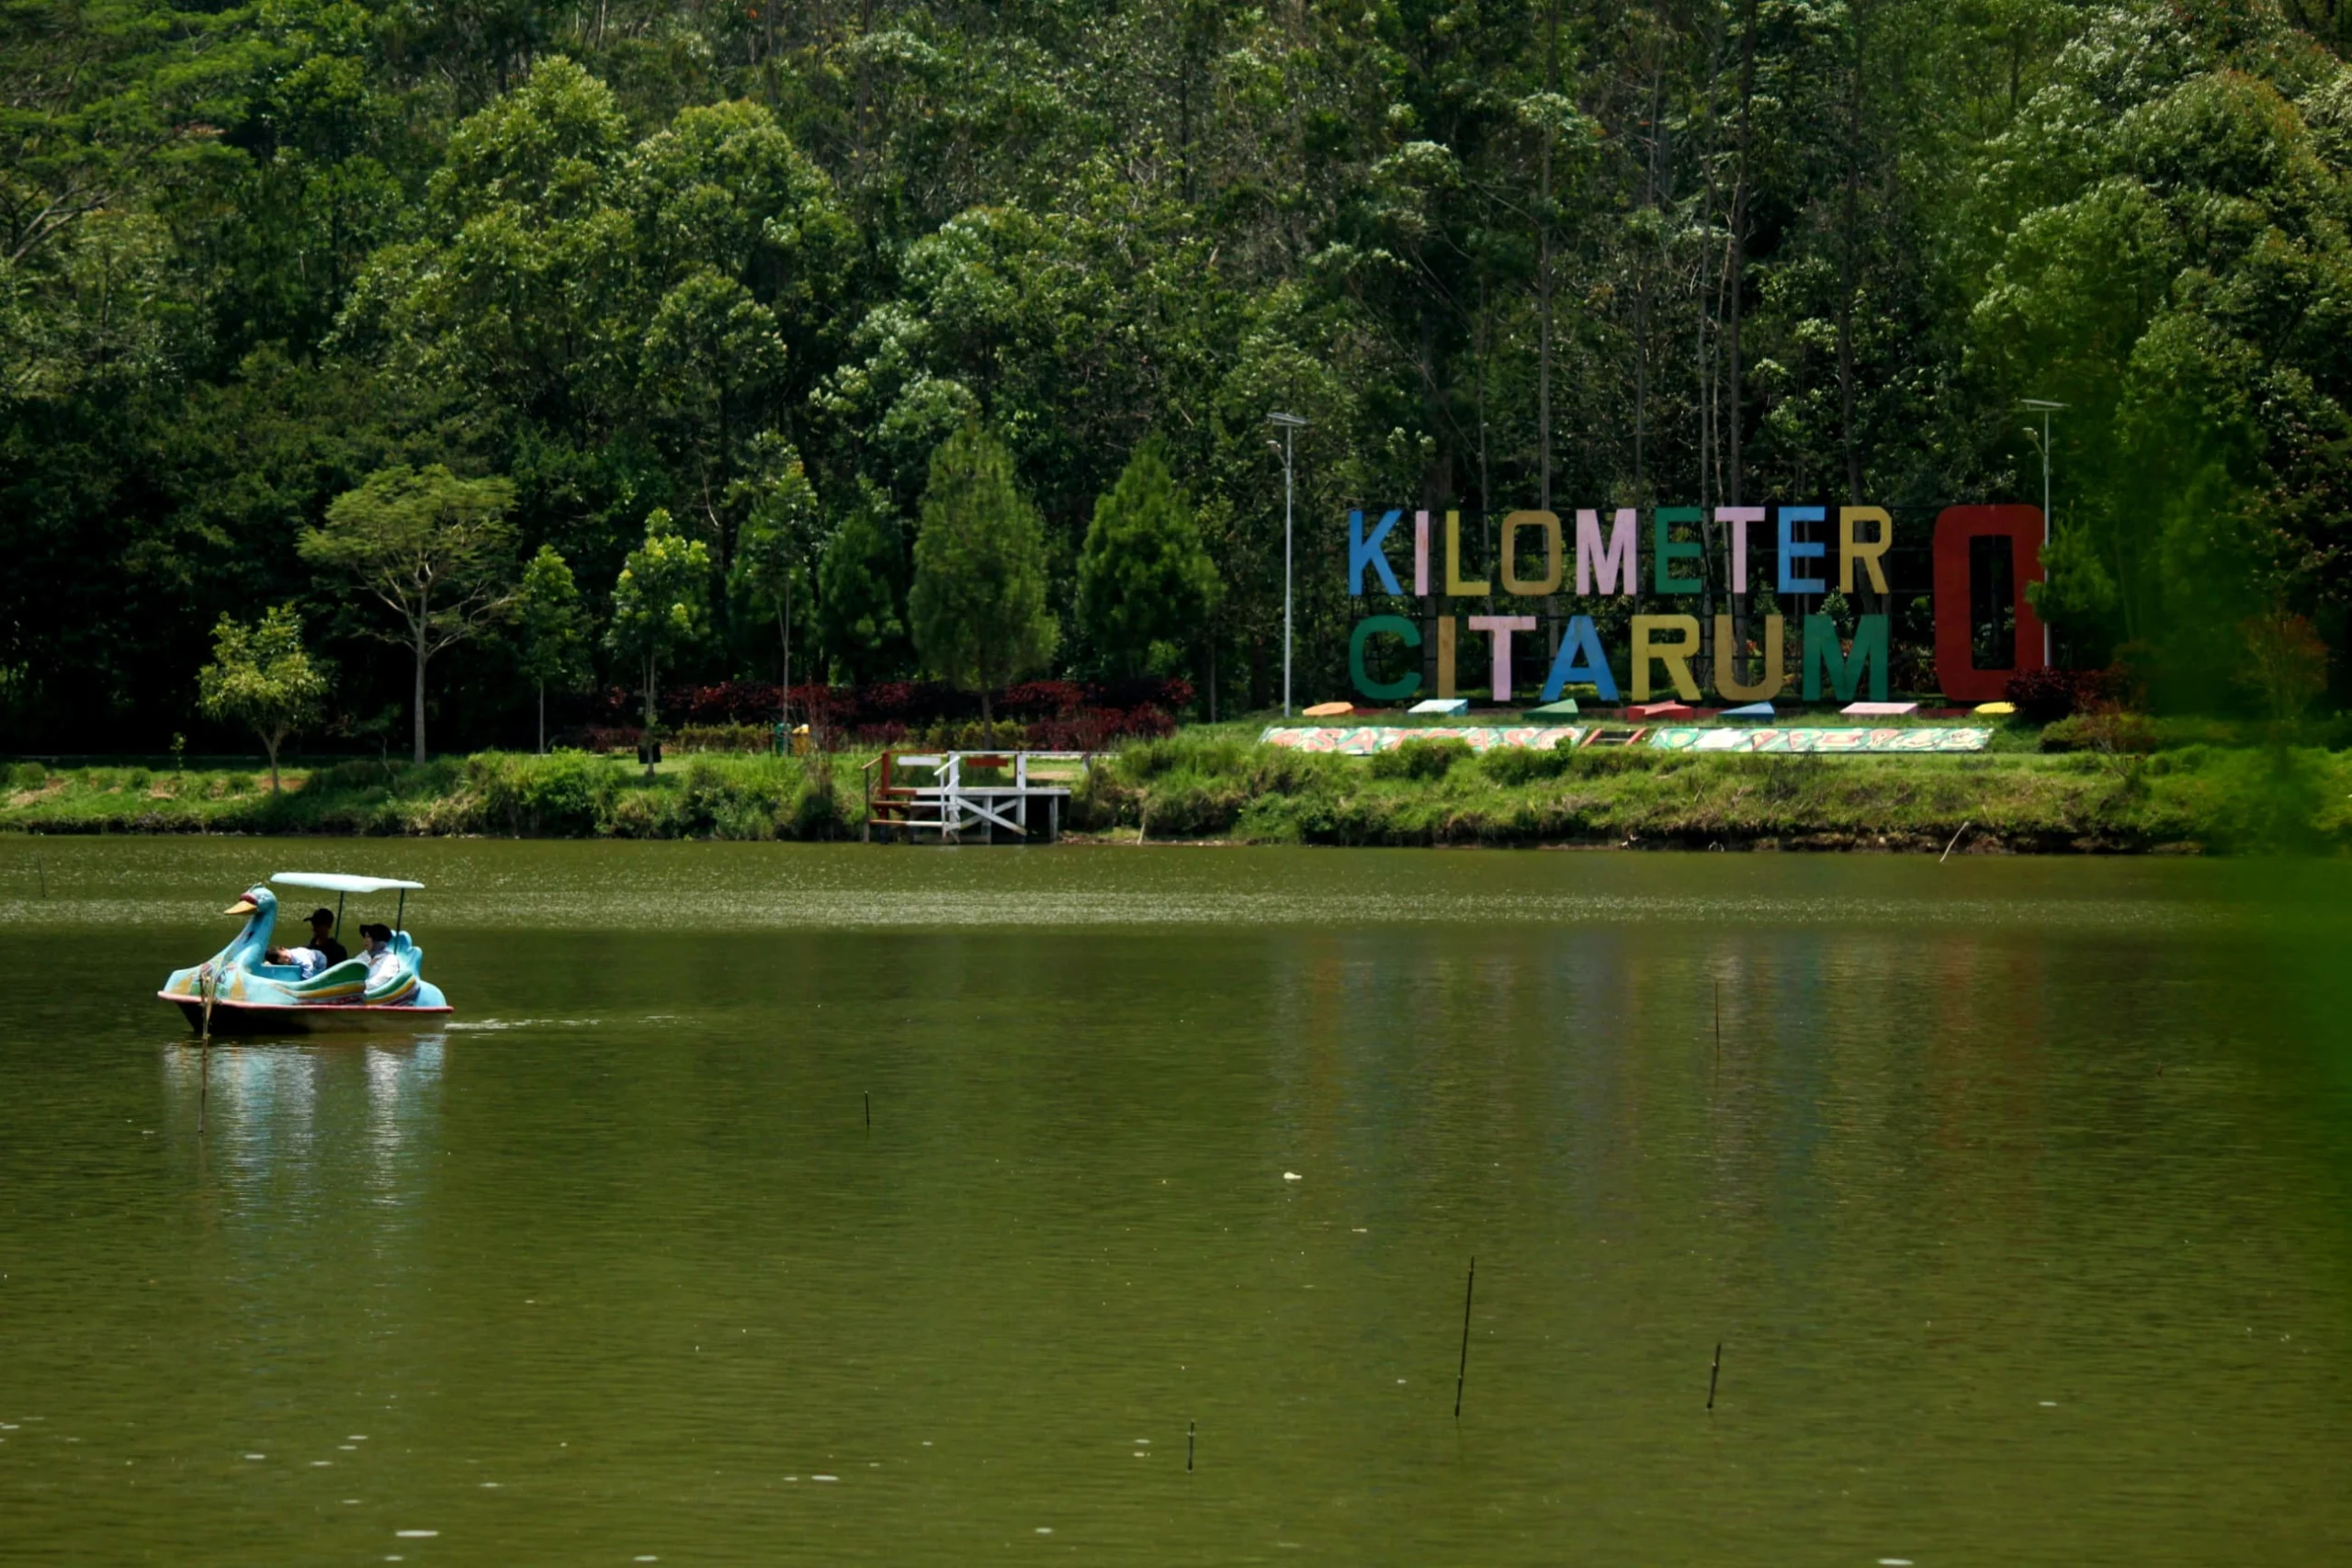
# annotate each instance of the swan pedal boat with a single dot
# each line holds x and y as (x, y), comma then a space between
(252, 995)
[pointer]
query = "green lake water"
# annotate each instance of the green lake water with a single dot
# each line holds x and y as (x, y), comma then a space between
(2015, 1192)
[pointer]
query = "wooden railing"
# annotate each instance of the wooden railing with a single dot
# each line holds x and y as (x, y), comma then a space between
(935, 792)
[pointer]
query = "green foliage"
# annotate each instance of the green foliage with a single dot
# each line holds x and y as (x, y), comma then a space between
(859, 591)
(250, 255)
(660, 603)
(552, 626)
(1520, 764)
(1144, 578)
(433, 549)
(979, 602)
(1419, 758)
(563, 795)
(261, 679)
(774, 546)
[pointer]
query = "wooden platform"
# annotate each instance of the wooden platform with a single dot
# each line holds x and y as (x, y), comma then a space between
(937, 793)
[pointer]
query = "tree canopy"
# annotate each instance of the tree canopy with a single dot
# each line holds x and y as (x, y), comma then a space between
(1144, 580)
(262, 678)
(660, 603)
(433, 549)
(620, 258)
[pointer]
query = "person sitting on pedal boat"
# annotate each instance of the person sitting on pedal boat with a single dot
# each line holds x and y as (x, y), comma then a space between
(308, 960)
(376, 947)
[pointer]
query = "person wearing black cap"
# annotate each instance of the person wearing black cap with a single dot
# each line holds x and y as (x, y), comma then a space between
(323, 937)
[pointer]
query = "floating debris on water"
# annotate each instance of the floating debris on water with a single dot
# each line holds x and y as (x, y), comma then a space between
(1292, 1176)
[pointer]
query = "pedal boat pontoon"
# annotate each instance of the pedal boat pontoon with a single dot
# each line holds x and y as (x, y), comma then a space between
(251, 995)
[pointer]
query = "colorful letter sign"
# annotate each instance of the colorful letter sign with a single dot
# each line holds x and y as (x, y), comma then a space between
(1668, 649)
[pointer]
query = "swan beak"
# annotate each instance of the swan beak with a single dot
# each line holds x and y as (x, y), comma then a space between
(242, 906)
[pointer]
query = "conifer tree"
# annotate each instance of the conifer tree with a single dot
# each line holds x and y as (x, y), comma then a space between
(1144, 578)
(979, 602)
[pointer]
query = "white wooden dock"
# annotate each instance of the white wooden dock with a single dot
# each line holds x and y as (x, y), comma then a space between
(936, 792)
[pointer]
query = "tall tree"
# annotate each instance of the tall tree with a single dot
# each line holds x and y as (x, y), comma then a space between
(775, 547)
(660, 607)
(554, 631)
(979, 602)
(860, 589)
(433, 549)
(1144, 580)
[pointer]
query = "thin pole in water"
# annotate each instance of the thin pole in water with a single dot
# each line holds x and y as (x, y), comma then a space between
(44, 876)
(1463, 1370)
(1955, 840)
(207, 984)
(870, 1111)
(1719, 1021)
(1714, 1372)
(1190, 1428)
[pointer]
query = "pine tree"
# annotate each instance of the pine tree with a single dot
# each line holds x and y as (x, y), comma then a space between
(1144, 578)
(979, 602)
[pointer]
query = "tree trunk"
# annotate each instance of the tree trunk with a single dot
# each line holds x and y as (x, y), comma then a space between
(543, 718)
(651, 669)
(269, 743)
(421, 657)
(784, 626)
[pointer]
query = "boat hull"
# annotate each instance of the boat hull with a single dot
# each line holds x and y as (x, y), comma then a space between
(322, 1018)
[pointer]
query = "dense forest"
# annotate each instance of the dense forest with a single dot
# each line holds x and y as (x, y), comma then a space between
(745, 271)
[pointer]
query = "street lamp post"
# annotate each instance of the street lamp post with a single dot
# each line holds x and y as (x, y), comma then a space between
(1291, 424)
(2045, 408)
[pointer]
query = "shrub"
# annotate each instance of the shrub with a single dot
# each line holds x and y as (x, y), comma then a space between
(562, 795)
(27, 776)
(137, 779)
(1419, 758)
(1520, 764)
(236, 784)
(2046, 694)
(2110, 732)
(735, 737)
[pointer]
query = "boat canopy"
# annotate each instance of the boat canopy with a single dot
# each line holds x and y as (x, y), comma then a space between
(336, 882)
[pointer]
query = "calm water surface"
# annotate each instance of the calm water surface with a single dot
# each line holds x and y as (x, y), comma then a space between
(2016, 1193)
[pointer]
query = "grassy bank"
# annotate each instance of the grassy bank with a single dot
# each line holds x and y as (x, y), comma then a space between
(1221, 784)
(567, 794)
(2198, 797)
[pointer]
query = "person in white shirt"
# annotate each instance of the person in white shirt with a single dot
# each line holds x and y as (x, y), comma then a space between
(309, 960)
(376, 947)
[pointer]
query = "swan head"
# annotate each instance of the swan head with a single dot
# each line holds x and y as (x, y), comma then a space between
(255, 900)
